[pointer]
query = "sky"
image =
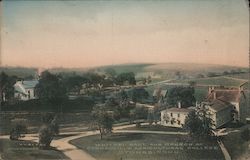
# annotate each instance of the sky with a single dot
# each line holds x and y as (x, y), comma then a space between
(95, 33)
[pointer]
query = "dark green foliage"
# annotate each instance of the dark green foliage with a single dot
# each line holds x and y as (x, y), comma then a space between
(103, 118)
(139, 113)
(126, 77)
(110, 72)
(185, 95)
(50, 120)
(139, 94)
(6, 86)
(193, 124)
(79, 104)
(212, 74)
(45, 136)
(245, 134)
(74, 83)
(19, 128)
(50, 89)
(198, 126)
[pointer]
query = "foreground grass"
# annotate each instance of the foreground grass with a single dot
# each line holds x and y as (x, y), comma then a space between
(24, 150)
(235, 145)
(148, 147)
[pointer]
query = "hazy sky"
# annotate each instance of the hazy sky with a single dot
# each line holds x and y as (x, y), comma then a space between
(93, 33)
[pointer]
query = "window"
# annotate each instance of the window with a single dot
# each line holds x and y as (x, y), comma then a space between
(178, 114)
(171, 114)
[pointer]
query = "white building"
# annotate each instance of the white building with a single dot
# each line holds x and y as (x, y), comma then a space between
(235, 96)
(219, 111)
(25, 90)
(175, 117)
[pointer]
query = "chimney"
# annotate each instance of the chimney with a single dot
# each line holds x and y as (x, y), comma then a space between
(214, 94)
(210, 89)
(179, 104)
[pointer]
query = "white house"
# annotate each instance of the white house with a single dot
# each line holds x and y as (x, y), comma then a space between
(219, 111)
(235, 96)
(25, 90)
(175, 117)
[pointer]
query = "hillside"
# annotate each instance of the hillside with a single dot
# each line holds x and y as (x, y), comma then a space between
(160, 71)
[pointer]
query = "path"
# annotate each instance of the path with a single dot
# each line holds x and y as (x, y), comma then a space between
(224, 150)
(75, 153)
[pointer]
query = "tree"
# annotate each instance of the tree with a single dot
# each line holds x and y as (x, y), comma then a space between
(138, 94)
(193, 124)
(45, 136)
(103, 119)
(19, 128)
(185, 95)
(74, 83)
(245, 134)
(198, 126)
(211, 74)
(6, 87)
(51, 90)
(110, 72)
(123, 77)
(138, 113)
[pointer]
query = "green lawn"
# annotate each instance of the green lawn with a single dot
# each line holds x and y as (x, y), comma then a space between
(235, 145)
(220, 81)
(156, 128)
(148, 147)
(24, 150)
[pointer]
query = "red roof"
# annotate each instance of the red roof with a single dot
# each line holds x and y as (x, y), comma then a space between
(225, 95)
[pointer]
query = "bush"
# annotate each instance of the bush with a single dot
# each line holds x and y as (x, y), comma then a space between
(19, 128)
(245, 134)
(45, 136)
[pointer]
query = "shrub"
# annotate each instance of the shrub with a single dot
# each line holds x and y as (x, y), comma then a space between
(19, 128)
(45, 136)
(245, 134)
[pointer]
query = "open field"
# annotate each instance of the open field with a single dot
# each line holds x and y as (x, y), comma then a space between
(24, 150)
(218, 81)
(148, 146)
(240, 76)
(156, 128)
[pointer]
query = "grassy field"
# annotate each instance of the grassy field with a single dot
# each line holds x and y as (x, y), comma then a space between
(156, 128)
(235, 145)
(219, 81)
(24, 150)
(148, 147)
(240, 76)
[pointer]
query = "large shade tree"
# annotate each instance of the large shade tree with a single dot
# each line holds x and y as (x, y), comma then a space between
(6, 86)
(185, 95)
(103, 119)
(51, 90)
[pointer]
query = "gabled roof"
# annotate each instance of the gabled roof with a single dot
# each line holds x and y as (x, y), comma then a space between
(21, 86)
(29, 84)
(162, 92)
(219, 105)
(228, 95)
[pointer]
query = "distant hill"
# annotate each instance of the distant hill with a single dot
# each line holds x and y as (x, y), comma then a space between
(20, 72)
(164, 70)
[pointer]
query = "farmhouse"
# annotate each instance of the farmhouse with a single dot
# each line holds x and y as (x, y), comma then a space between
(235, 96)
(175, 117)
(219, 111)
(25, 90)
